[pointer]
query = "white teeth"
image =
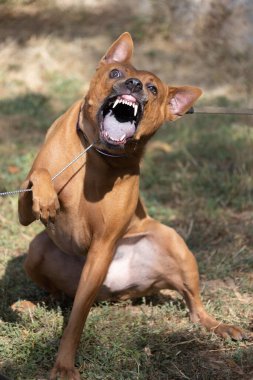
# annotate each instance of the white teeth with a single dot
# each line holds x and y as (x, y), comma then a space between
(130, 104)
(116, 140)
(115, 103)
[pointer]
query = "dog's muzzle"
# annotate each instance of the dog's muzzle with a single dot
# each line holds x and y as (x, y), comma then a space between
(121, 112)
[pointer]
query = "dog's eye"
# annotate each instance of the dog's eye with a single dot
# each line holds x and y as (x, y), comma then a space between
(115, 74)
(152, 89)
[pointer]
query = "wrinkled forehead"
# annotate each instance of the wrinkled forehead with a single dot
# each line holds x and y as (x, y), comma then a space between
(130, 71)
(147, 76)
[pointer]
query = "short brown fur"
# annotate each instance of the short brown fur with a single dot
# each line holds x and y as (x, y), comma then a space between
(93, 209)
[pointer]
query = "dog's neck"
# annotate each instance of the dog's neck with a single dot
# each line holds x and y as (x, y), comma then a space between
(128, 157)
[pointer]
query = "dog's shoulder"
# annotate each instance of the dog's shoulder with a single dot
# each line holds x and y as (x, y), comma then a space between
(70, 116)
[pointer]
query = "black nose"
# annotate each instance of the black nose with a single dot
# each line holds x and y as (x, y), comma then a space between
(133, 84)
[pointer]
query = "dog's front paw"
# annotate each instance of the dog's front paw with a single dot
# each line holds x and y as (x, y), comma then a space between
(61, 372)
(45, 200)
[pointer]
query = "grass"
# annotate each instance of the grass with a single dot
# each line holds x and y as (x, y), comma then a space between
(196, 177)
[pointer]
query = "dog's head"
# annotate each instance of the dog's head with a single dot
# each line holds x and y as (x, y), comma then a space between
(126, 106)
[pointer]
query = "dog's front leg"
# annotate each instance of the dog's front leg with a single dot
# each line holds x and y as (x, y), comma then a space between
(42, 203)
(94, 272)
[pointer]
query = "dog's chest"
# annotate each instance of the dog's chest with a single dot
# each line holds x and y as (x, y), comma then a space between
(94, 203)
(71, 233)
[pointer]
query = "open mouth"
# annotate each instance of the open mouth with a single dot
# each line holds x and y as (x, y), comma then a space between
(119, 118)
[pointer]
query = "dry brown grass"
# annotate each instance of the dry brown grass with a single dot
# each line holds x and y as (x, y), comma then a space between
(208, 47)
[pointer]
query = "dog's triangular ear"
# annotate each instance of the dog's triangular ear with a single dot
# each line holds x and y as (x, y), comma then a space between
(120, 51)
(180, 100)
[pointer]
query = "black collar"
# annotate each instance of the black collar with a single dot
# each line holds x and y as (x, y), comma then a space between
(105, 153)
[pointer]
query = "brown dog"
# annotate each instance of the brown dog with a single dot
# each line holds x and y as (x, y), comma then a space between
(94, 206)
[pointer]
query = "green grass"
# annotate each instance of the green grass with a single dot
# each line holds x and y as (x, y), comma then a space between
(202, 186)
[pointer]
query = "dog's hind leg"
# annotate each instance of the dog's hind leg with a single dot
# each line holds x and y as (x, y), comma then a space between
(177, 269)
(52, 269)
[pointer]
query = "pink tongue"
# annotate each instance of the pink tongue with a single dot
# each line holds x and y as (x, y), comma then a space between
(116, 130)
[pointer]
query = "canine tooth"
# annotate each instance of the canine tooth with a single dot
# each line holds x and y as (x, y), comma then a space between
(115, 103)
(135, 109)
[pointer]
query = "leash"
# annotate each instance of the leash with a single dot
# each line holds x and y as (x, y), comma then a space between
(198, 110)
(15, 192)
(104, 153)
(220, 111)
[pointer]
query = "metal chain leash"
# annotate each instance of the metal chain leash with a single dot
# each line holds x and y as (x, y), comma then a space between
(15, 192)
(220, 111)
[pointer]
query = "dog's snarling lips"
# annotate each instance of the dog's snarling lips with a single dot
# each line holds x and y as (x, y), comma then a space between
(119, 117)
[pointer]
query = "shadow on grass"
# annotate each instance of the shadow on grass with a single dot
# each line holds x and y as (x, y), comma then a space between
(207, 172)
(31, 104)
(15, 286)
(136, 349)
(34, 110)
(118, 342)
